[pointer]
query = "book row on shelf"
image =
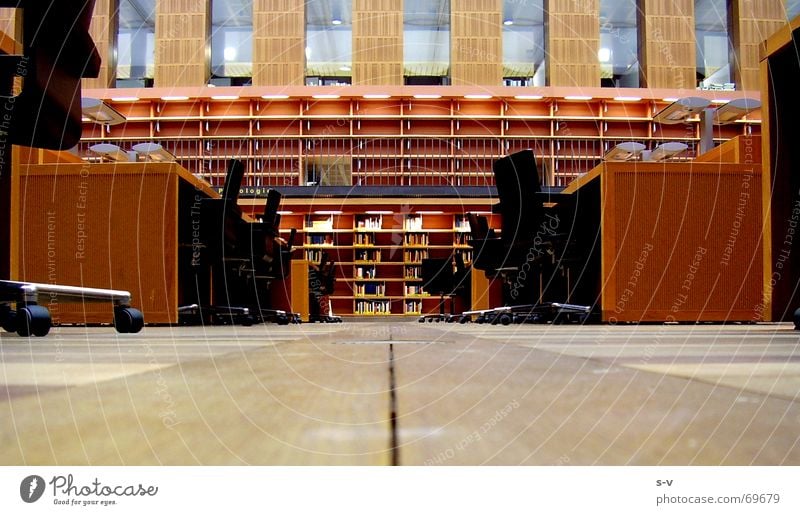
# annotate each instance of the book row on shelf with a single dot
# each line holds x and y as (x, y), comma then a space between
(366, 272)
(413, 307)
(370, 222)
(364, 239)
(415, 256)
(414, 289)
(417, 239)
(372, 307)
(370, 289)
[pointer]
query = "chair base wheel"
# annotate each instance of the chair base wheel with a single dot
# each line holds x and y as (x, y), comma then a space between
(128, 320)
(33, 320)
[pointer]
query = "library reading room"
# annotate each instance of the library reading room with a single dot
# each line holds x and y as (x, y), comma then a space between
(399, 232)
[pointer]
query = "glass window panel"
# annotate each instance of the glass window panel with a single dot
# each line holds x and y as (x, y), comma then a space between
(713, 44)
(136, 42)
(523, 43)
(619, 43)
(792, 9)
(426, 41)
(329, 40)
(232, 38)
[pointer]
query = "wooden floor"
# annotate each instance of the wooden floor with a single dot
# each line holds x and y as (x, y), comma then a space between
(399, 392)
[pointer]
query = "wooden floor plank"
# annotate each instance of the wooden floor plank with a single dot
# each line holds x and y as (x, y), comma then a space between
(292, 403)
(473, 401)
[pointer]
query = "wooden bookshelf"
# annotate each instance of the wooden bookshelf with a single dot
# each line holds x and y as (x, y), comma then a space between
(378, 252)
(395, 141)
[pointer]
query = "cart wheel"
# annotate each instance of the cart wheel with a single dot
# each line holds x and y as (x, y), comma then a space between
(797, 319)
(33, 320)
(283, 320)
(128, 320)
(464, 319)
(505, 319)
(8, 319)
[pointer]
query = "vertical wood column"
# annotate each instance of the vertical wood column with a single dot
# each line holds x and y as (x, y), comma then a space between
(103, 30)
(378, 42)
(7, 29)
(279, 33)
(753, 22)
(182, 53)
(476, 42)
(573, 39)
(667, 46)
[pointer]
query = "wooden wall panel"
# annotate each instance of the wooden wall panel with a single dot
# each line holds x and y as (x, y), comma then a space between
(476, 42)
(102, 226)
(667, 54)
(378, 42)
(103, 32)
(7, 29)
(753, 22)
(690, 259)
(182, 54)
(279, 43)
(573, 39)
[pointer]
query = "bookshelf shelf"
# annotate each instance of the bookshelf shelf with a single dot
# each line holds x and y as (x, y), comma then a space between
(395, 141)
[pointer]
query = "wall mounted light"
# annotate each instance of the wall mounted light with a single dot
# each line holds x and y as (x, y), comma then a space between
(98, 111)
(111, 152)
(153, 152)
(626, 151)
(735, 109)
(665, 151)
(681, 109)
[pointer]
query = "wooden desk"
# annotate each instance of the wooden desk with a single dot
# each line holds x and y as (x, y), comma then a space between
(107, 226)
(679, 241)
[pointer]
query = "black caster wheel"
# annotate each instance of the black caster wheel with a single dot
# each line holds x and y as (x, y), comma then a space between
(421, 320)
(247, 321)
(283, 320)
(33, 320)
(797, 319)
(505, 319)
(128, 320)
(463, 320)
(480, 320)
(8, 319)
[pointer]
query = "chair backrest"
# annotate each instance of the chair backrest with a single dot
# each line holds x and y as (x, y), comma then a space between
(233, 180)
(273, 203)
(437, 276)
(517, 181)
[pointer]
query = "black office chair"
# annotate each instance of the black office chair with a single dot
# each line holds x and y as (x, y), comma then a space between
(439, 278)
(530, 254)
(321, 284)
(237, 260)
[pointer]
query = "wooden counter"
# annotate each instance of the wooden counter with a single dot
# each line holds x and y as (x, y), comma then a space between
(107, 226)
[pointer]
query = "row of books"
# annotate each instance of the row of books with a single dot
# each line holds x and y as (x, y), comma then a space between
(366, 272)
(373, 222)
(415, 289)
(413, 307)
(374, 307)
(371, 289)
(364, 239)
(417, 239)
(415, 256)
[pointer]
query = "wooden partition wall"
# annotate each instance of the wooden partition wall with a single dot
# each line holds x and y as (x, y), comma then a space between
(681, 241)
(378, 42)
(279, 42)
(103, 30)
(181, 54)
(753, 22)
(573, 39)
(667, 39)
(476, 42)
